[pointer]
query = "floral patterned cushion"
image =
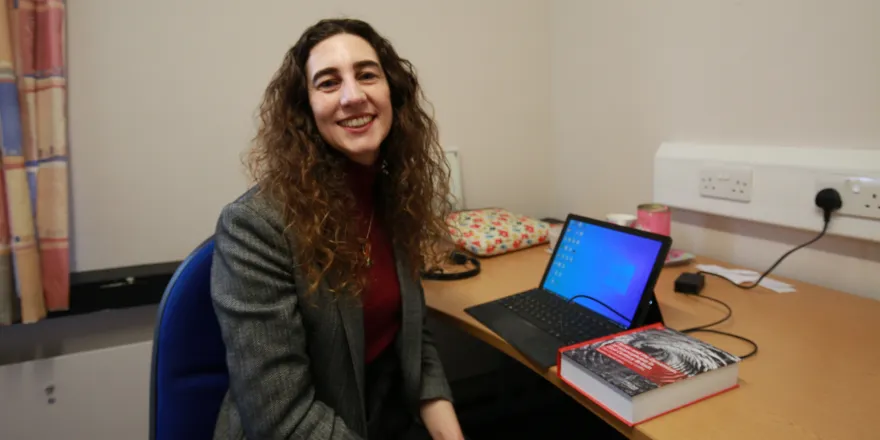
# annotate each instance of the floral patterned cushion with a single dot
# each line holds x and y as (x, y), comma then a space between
(495, 231)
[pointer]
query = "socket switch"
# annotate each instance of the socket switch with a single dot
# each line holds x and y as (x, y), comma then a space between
(860, 194)
(729, 183)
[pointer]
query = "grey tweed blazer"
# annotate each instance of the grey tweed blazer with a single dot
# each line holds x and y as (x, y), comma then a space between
(296, 367)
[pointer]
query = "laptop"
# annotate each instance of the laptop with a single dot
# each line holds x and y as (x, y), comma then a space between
(599, 281)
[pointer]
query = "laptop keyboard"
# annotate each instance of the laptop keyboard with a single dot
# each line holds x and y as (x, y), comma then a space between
(569, 323)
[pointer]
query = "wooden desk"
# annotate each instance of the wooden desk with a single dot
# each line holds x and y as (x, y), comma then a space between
(816, 375)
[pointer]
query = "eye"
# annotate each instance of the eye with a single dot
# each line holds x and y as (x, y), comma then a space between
(369, 76)
(327, 83)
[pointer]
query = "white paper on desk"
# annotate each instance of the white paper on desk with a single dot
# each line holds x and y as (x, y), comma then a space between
(740, 276)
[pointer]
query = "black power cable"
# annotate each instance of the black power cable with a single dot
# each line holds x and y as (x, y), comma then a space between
(767, 272)
(705, 327)
(570, 300)
(741, 338)
(828, 200)
(725, 318)
(701, 328)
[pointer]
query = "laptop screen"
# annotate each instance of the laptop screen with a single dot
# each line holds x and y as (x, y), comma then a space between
(603, 263)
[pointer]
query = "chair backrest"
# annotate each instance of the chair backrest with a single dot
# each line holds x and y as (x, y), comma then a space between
(188, 377)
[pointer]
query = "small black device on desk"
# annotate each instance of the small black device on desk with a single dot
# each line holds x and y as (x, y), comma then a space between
(690, 283)
(599, 281)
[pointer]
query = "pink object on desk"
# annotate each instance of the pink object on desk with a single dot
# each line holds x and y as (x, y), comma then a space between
(654, 217)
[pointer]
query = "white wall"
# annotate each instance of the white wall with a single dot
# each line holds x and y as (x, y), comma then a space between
(628, 75)
(162, 99)
(573, 96)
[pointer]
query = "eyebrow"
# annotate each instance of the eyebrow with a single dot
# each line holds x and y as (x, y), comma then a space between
(332, 70)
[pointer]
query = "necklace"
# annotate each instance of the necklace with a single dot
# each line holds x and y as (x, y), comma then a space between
(365, 248)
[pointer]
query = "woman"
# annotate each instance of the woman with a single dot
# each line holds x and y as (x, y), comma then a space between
(315, 278)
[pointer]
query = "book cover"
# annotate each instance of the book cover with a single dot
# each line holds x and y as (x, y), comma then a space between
(647, 358)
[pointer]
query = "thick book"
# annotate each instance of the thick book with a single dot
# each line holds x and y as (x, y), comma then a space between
(646, 372)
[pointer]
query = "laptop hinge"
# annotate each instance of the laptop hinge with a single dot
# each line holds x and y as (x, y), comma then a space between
(654, 314)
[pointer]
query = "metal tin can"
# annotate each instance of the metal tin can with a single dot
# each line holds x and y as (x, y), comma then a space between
(654, 217)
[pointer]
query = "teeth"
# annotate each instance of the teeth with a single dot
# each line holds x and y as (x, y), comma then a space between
(356, 122)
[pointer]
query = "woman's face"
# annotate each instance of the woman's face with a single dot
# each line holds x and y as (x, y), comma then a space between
(349, 95)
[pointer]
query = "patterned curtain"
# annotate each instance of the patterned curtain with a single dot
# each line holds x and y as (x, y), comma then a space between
(34, 257)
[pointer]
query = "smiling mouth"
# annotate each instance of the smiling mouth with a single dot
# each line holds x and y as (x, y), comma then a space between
(357, 122)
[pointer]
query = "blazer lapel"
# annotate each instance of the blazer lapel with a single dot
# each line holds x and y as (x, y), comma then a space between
(352, 315)
(410, 347)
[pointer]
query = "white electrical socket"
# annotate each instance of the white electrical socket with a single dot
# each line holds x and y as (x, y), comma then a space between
(730, 183)
(860, 194)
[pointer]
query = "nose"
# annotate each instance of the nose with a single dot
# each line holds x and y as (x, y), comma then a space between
(352, 94)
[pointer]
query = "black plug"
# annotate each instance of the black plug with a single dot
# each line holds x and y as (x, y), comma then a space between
(690, 283)
(829, 201)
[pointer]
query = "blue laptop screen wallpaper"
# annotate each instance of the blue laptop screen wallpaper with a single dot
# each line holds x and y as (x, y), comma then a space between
(605, 264)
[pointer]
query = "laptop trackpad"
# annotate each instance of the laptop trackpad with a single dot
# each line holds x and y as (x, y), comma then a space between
(531, 341)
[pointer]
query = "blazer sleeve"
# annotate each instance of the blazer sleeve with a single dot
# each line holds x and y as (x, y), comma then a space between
(434, 382)
(254, 295)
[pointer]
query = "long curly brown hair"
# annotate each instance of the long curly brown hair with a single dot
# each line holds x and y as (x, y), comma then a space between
(292, 163)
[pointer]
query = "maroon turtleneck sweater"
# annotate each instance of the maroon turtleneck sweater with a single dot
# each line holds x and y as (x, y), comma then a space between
(381, 298)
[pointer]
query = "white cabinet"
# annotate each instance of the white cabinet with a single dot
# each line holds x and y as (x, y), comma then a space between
(96, 395)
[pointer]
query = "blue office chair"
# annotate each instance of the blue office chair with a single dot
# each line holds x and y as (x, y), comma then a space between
(189, 377)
